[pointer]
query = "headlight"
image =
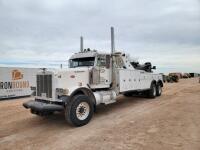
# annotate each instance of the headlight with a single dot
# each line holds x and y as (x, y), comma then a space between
(65, 91)
(60, 91)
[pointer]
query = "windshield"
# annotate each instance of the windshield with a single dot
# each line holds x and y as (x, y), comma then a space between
(81, 62)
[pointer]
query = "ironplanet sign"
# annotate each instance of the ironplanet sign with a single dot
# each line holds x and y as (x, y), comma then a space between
(16, 75)
(16, 82)
(14, 85)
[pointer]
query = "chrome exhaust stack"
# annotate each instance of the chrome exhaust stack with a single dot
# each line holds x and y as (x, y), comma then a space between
(112, 41)
(81, 44)
(113, 76)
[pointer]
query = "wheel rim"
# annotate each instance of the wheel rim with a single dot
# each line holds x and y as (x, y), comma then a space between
(154, 90)
(159, 89)
(82, 111)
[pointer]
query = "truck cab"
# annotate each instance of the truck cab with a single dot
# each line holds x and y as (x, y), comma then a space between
(98, 65)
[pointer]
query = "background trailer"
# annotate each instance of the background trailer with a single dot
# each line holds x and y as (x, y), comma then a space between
(15, 82)
(194, 74)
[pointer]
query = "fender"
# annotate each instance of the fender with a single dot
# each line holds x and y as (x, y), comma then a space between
(83, 90)
(160, 82)
(153, 82)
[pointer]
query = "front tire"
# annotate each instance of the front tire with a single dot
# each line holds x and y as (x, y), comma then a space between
(79, 111)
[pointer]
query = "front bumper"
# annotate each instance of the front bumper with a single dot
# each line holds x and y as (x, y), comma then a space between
(40, 106)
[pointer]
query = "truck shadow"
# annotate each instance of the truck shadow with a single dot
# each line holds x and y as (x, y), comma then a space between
(58, 119)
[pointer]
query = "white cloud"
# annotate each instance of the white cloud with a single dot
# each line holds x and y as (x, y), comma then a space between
(164, 32)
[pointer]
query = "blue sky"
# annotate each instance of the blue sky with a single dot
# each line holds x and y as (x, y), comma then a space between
(43, 33)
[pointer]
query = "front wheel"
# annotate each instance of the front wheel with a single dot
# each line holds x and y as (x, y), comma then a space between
(79, 111)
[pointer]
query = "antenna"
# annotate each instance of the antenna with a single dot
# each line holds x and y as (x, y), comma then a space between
(81, 44)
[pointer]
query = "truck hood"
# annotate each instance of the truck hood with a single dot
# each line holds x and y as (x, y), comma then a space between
(72, 78)
(73, 69)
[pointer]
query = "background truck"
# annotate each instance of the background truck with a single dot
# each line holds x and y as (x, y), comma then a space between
(93, 78)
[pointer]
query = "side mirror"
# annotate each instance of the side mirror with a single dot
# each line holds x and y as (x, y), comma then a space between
(107, 61)
(154, 67)
(98, 61)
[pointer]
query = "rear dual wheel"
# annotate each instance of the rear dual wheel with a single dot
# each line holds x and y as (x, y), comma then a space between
(155, 90)
(152, 91)
(158, 89)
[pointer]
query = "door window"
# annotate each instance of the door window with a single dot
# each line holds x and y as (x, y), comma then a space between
(101, 61)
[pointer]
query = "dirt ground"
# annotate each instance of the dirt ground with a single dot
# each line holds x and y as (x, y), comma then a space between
(171, 121)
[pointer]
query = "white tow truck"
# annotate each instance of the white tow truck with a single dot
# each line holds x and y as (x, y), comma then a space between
(93, 78)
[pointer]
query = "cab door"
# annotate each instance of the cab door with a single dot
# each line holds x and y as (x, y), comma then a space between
(103, 66)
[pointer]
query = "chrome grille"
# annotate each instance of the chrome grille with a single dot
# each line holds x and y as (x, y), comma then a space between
(44, 85)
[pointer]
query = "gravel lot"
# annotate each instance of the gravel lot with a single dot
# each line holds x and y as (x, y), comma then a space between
(171, 121)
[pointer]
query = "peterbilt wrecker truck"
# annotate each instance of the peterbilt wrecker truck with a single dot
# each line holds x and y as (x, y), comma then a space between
(92, 79)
